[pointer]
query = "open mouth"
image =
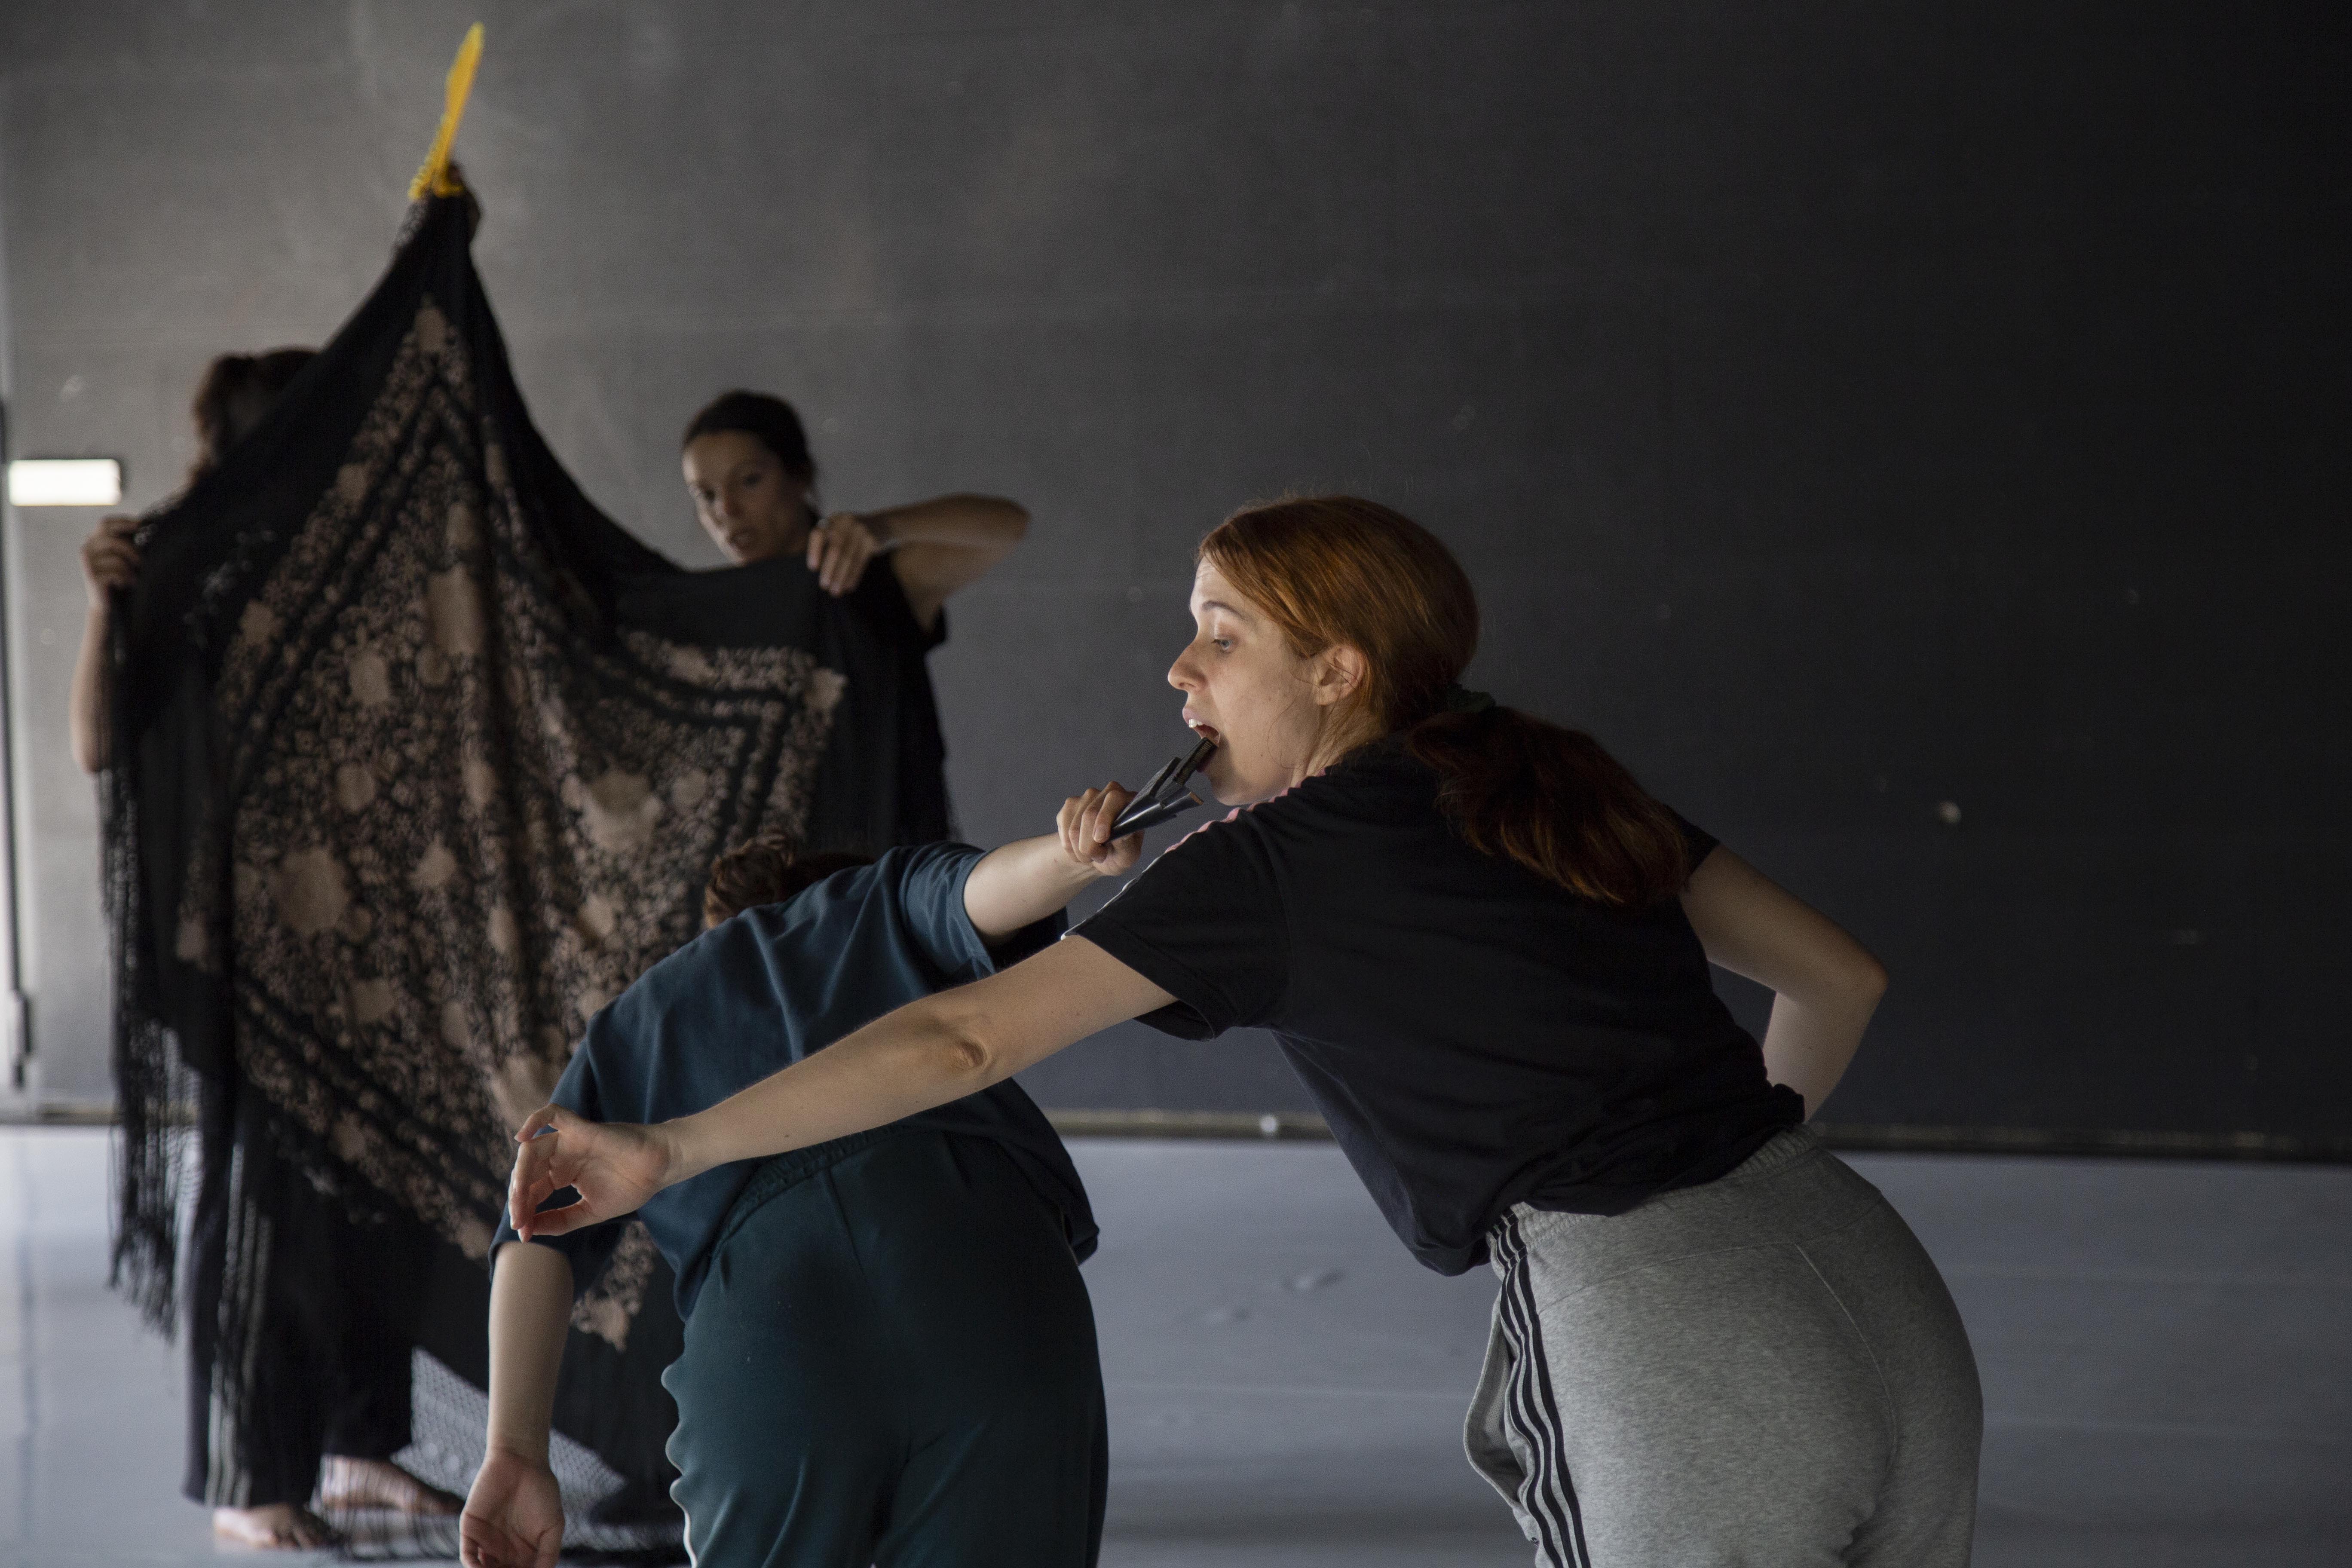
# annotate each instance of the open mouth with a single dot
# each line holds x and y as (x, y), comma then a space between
(1206, 732)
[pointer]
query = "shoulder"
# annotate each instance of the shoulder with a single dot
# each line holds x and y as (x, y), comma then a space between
(1380, 785)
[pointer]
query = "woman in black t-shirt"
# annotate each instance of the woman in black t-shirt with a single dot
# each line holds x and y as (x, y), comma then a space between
(1485, 949)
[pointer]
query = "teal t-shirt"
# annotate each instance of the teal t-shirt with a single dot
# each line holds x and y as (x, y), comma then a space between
(769, 987)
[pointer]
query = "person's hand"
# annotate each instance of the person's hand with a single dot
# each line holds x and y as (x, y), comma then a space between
(839, 550)
(615, 1165)
(108, 560)
(514, 1515)
(1085, 824)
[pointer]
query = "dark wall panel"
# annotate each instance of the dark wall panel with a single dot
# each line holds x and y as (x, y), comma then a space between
(1911, 437)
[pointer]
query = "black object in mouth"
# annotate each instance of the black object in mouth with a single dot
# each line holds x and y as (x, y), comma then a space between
(1164, 797)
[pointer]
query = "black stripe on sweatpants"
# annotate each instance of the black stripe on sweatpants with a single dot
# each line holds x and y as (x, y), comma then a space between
(1528, 1401)
(1551, 1499)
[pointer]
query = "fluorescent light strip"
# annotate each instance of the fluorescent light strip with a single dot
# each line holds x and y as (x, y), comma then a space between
(65, 481)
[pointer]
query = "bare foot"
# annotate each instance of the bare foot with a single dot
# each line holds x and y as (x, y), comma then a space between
(345, 1483)
(276, 1524)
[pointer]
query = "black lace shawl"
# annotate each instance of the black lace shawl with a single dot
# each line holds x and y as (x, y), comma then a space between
(417, 759)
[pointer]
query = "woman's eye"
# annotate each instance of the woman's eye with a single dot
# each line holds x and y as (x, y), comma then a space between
(1224, 645)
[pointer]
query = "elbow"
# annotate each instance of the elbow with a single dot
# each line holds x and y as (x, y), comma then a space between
(1865, 979)
(1848, 984)
(965, 1057)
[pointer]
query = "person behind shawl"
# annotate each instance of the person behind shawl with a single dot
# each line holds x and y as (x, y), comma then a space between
(340, 1441)
(748, 467)
(889, 1354)
(1485, 948)
(236, 392)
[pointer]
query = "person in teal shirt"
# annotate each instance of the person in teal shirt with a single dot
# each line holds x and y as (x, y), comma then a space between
(889, 1354)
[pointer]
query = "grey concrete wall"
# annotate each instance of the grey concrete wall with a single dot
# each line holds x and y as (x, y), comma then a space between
(1844, 410)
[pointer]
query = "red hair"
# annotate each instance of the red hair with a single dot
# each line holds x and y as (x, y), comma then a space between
(1333, 570)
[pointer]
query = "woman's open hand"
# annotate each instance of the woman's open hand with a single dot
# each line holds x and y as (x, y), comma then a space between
(1085, 824)
(514, 1515)
(839, 550)
(614, 1166)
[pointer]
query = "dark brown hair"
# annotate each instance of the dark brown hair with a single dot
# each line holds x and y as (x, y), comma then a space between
(767, 420)
(767, 870)
(1333, 570)
(235, 395)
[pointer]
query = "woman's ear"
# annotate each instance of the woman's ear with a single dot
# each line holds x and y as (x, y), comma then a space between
(1338, 675)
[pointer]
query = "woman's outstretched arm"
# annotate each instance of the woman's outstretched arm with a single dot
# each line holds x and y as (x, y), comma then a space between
(1020, 883)
(937, 546)
(1825, 984)
(925, 1054)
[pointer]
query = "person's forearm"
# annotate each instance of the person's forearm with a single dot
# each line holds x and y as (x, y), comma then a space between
(1019, 884)
(960, 521)
(1809, 1044)
(530, 1305)
(87, 717)
(904, 1062)
(925, 1054)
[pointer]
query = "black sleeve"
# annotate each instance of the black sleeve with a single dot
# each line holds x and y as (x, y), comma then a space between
(1697, 842)
(1203, 922)
(881, 599)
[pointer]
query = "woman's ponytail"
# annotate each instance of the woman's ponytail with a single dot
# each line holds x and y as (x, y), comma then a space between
(1552, 800)
(1334, 570)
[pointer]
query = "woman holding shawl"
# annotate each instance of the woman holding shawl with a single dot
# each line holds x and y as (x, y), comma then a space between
(1485, 949)
(330, 1388)
(748, 467)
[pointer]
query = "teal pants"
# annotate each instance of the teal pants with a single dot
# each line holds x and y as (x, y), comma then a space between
(891, 1362)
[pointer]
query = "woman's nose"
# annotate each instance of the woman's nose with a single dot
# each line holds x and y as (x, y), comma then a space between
(1179, 678)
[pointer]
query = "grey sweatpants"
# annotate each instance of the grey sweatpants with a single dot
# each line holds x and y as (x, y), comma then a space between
(1765, 1370)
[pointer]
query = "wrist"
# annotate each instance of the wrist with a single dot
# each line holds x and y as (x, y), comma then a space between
(885, 532)
(681, 1142)
(517, 1447)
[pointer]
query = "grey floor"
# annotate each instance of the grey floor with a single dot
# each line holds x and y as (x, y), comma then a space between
(2167, 1367)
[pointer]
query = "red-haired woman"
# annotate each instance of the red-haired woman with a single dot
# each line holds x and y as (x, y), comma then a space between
(1485, 949)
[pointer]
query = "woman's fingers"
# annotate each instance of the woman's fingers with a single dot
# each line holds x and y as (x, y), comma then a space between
(1110, 800)
(108, 557)
(536, 1178)
(615, 1167)
(561, 1221)
(839, 549)
(1071, 822)
(545, 1116)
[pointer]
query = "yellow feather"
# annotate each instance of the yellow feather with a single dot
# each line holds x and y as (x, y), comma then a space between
(434, 176)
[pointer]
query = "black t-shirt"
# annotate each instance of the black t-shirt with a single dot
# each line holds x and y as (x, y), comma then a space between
(1476, 1035)
(880, 600)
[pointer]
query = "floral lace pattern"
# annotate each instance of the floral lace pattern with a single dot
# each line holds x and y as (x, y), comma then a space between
(462, 814)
